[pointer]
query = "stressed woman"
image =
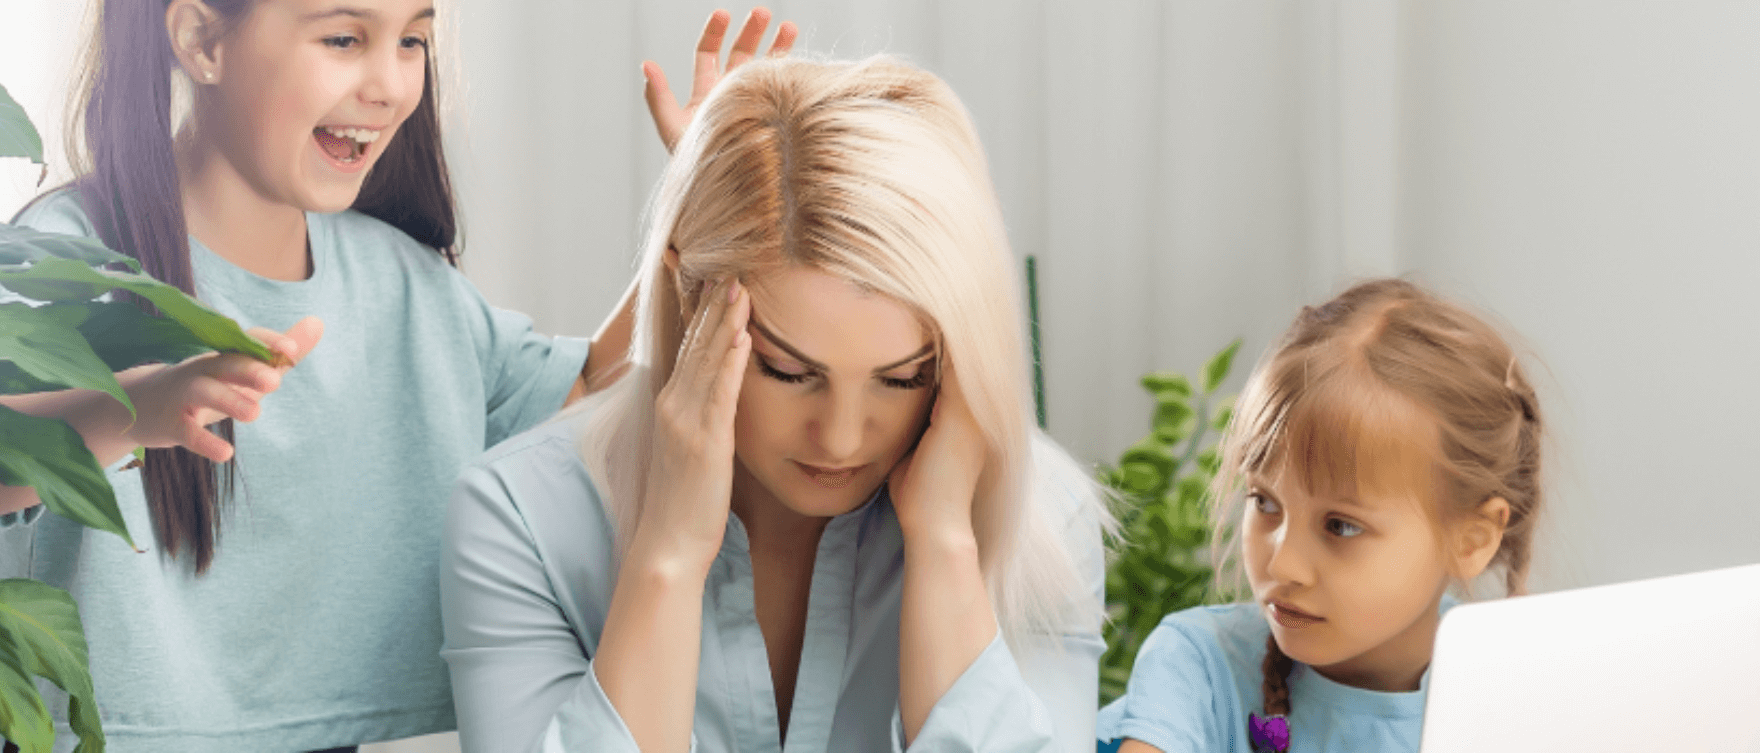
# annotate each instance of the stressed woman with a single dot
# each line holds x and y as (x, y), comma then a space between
(814, 514)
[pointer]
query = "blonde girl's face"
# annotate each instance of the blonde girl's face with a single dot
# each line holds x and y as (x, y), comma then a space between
(312, 91)
(1349, 586)
(836, 391)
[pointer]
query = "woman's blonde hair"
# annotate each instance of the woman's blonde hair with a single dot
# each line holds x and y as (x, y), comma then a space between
(869, 171)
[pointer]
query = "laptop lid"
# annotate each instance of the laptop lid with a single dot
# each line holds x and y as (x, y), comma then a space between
(1668, 664)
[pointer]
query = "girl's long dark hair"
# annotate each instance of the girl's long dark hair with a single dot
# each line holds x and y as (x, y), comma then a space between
(133, 197)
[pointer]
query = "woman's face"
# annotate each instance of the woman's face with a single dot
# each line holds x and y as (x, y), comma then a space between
(312, 91)
(836, 391)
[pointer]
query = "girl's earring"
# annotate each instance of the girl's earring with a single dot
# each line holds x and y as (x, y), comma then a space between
(208, 76)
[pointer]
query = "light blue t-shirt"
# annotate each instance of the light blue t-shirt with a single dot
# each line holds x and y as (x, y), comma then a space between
(318, 624)
(526, 585)
(1198, 676)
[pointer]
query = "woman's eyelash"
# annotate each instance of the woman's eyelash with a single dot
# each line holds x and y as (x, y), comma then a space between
(779, 375)
(917, 382)
(413, 42)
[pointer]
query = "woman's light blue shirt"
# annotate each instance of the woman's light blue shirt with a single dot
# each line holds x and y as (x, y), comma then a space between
(1198, 676)
(526, 582)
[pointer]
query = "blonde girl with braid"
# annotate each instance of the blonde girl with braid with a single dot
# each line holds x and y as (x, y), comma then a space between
(1386, 450)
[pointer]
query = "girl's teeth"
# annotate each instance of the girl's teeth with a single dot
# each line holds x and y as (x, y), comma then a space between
(358, 135)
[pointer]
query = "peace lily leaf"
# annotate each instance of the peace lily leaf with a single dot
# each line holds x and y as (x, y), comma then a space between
(24, 719)
(65, 280)
(1217, 369)
(66, 476)
(18, 138)
(125, 336)
(44, 623)
(21, 245)
(46, 349)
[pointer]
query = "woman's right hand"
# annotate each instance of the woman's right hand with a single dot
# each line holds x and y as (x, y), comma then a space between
(175, 403)
(690, 471)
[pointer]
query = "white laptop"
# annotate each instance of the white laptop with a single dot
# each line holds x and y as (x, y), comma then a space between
(1666, 665)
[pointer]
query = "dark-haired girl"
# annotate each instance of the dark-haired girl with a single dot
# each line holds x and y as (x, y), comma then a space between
(307, 179)
(1387, 449)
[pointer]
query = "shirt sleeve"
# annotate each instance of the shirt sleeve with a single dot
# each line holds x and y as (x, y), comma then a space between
(521, 678)
(526, 375)
(1044, 698)
(1171, 701)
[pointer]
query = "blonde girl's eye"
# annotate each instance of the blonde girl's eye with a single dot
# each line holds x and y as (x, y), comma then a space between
(1265, 505)
(1342, 528)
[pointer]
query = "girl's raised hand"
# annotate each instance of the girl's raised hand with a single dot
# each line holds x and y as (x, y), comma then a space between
(932, 487)
(174, 404)
(690, 474)
(670, 119)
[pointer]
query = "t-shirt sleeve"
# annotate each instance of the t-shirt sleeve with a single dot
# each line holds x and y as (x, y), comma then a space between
(1175, 695)
(526, 375)
(521, 679)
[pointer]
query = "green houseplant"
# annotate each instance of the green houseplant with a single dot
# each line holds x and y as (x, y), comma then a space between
(74, 335)
(1161, 563)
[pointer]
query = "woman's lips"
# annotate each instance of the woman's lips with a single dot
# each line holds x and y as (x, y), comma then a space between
(830, 478)
(1290, 617)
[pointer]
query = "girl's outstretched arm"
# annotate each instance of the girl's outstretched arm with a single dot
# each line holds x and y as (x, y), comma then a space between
(174, 403)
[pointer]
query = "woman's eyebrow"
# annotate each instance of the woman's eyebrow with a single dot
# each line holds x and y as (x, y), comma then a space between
(926, 350)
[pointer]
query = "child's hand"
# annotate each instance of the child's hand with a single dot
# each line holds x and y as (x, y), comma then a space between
(670, 119)
(932, 487)
(690, 477)
(175, 403)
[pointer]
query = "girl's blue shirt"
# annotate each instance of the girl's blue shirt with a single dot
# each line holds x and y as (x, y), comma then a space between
(1198, 676)
(318, 624)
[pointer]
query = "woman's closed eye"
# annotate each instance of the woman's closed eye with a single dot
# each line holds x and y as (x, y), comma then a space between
(341, 41)
(787, 377)
(923, 377)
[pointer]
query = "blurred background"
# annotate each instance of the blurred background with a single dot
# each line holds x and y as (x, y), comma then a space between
(1587, 172)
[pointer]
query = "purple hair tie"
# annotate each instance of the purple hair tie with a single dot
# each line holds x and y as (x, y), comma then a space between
(1270, 733)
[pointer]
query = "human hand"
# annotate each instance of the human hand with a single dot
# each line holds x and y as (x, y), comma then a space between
(175, 403)
(670, 119)
(690, 471)
(932, 487)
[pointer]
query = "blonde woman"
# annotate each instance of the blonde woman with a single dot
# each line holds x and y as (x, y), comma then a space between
(815, 513)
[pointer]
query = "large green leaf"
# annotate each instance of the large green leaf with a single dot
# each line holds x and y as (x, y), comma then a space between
(22, 245)
(49, 455)
(69, 281)
(24, 720)
(47, 350)
(123, 335)
(42, 624)
(1217, 369)
(18, 138)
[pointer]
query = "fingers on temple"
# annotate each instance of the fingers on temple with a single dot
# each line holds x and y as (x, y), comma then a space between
(733, 365)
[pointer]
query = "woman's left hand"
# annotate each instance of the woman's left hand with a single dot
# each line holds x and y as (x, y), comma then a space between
(932, 487)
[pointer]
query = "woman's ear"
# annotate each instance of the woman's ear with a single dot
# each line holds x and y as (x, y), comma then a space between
(193, 29)
(1477, 538)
